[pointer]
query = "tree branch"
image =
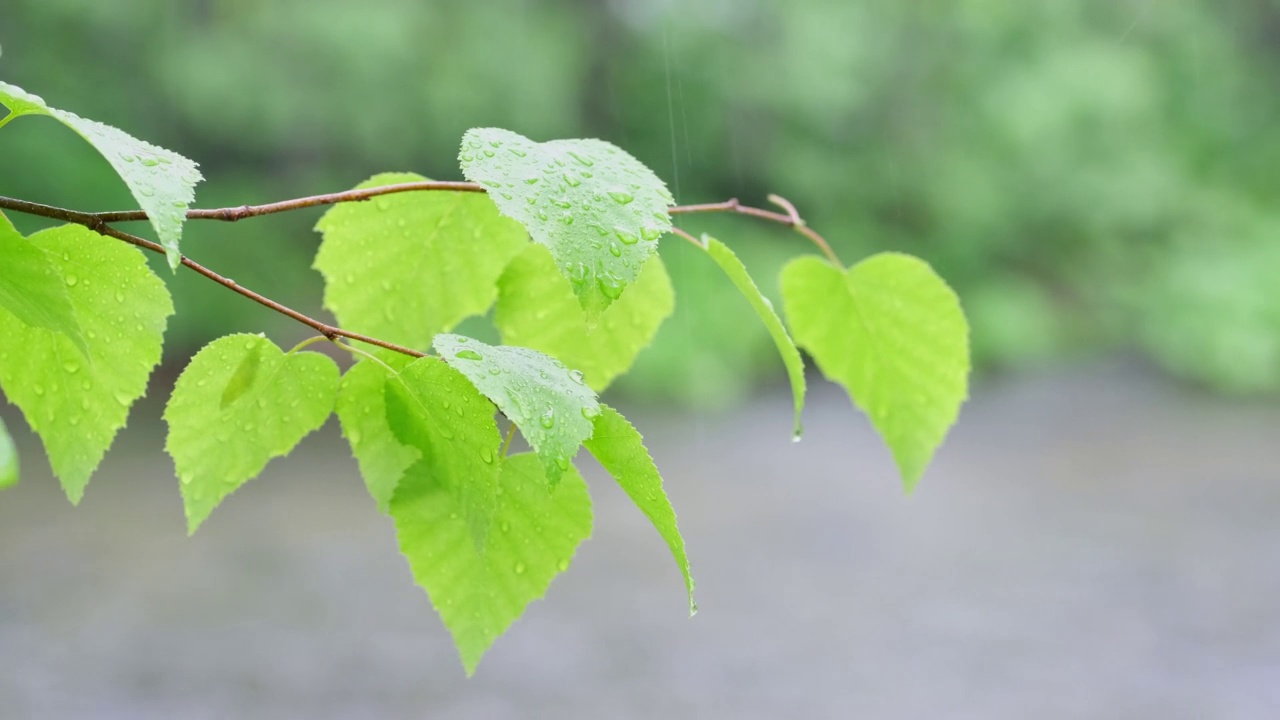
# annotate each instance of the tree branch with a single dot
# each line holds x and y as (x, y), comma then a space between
(100, 223)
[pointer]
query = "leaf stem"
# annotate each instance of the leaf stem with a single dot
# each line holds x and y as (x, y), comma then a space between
(506, 445)
(305, 343)
(366, 354)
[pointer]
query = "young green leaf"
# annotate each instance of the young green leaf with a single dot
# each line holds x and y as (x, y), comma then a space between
(218, 448)
(480, 594)
(619, 448)
(405, 266)
(75, 404)
(737, 273)
(163, 182)
(8, 459)
(32, 289)
(893, 334)
(552, 406)
(433, 409)
(536, 309)
(599, 210)
(363, 413)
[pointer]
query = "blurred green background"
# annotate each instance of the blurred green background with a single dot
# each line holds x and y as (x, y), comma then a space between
(1093, 177)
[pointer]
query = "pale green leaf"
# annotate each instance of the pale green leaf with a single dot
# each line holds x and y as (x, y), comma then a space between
(217, 448)
(433, 409)
(32, 289)
(8, 459)
(552, 405)
(620, 449)
(405, 266)
(599, 210)
(479, 595)
(363, 414)
(737, 273)
(76, 405)
(536, 309)
(893, 334)
(163, 182)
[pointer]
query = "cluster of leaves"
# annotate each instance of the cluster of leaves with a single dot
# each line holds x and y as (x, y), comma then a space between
(562, 247)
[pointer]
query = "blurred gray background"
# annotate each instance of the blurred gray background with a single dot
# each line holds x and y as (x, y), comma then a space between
(1097, 538)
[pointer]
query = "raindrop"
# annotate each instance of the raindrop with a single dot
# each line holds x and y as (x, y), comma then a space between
(548, 419)
(149, 162)
(584, 161)
(72, 280)
(519, 568)
(578, 273)
(650, 233)
(621, 198)
(625, 237)
(571, 180)
(564, 565)
(614, 250)
(470, 355)
(576, 376)
(610, 285)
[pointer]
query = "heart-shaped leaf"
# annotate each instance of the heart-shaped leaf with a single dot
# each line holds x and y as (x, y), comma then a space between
(480, 594)
(78, 404)
(552, 405)
(599, 210)
(405, 266)
(218, 447)
(536, 309)
(893, 334)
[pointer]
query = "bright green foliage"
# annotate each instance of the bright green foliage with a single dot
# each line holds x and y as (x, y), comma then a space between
(8, 459)
(552, 405)
(536, 309)
(163, 182)
(31, 288)
(480, 594)
(599, 210)
(405, 266)
(737, 272)
(363, 414)
(434, 410)
(78, 405)
(893, 334)
(216, 448)
(619, 448)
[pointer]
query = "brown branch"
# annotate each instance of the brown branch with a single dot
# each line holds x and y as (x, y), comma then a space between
(93, 222)
(100, 223)
(231, 214)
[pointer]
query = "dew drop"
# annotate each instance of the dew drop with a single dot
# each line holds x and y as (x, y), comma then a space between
(576, 376)
(548, 419)
(650, 233)
(625, 237)
(622, 198)
(614, 250)
(610, 285)
(470, 355)
(584, 161)
(72, 280)
(578, 273)
(149, 161)
(571, 181)
(71, 367)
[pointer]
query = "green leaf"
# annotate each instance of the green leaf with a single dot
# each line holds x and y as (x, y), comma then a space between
(163, 182)
(552, 405)
(218, 448)
(78, 405)
(893, 334)
(8, 459)
(405, 266)
(619, 448)
(737, 272)
(599, 210)
(433, 409)
(479, 595)
(32, 289)
(363, 413)
(536, 309)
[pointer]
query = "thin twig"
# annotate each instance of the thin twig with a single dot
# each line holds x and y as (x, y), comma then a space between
(791, 219)
(232, 214)
(696, 242)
